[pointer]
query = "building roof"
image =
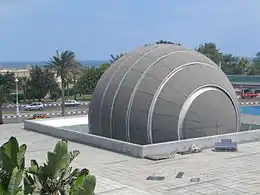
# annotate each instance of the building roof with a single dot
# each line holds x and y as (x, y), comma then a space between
(244, 79)
(222, 173)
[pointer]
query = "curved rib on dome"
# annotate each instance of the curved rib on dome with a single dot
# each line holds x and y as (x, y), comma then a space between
(162, 93)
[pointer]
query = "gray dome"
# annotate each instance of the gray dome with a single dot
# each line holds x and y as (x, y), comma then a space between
(161, 93)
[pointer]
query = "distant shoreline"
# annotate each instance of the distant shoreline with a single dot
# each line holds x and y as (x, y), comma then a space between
(21, 65)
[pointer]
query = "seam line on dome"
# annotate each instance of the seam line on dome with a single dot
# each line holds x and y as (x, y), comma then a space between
(131, 100)
(120, 83)
(161, 86)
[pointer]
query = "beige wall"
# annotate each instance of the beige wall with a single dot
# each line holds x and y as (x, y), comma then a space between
(22, 73)
(17, 72)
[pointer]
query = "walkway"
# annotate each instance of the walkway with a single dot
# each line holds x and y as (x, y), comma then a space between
(219, 173)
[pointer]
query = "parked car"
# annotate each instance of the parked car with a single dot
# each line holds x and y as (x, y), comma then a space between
(34, 106)
(249, 93)
(71, 103)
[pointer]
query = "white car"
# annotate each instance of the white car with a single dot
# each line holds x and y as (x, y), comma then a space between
(71, 103)
(35, 106)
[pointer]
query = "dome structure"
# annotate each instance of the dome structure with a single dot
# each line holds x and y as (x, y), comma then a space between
(161, 93)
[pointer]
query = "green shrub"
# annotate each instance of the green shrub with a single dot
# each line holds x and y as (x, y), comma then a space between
(55, 96)
(56, 176)
(12, 97)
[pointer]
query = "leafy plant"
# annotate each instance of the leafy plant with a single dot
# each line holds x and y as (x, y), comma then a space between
(84, 185)
(12, 163)
(56, 176)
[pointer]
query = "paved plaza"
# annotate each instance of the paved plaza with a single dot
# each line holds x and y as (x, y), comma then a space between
(219, 172)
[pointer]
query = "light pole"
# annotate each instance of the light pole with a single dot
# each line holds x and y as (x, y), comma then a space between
(17, 97)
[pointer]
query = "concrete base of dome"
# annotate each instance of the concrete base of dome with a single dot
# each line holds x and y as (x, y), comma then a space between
(141, 151)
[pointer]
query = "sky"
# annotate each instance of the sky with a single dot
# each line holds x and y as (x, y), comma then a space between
(32, 30)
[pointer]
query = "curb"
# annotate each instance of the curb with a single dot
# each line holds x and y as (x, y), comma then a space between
(45, 105)
(249, 103)
(48, 114)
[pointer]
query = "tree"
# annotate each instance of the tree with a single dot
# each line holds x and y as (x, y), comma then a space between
(242, 66)
(51, 82)
(55, 91)
(63, 65)
(102, 69)
(87, 82)
(24, 82)
(7, 83)
(228, 63)
(76, 74)
(166, 42)
(256, 60)
(115, 58)
(210, 50)
(89, 79)
(40, 82)
(254, 68)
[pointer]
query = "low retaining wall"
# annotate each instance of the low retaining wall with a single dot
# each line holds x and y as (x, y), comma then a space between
(88, 139)
(202, 142)
(140, 151)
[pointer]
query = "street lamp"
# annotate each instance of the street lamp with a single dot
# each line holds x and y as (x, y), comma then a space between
(17, 97)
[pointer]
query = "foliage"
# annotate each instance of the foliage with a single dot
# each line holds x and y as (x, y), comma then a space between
(229, 64)
(84, 185)
(53, 177)
(41, 82)
(89, 79)
(7, 82)
(12, 163)
(64, 65)
(211, 51)
(166, 42)
(55, 95)
(242, 66)
(12, 97)
(24, 83)
(115, 58)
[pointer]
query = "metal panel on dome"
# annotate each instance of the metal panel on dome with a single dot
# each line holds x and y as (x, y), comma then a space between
(204, 118)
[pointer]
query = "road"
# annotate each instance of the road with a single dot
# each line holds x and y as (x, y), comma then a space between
(12, 110)
(55, 111)
(48, 106)
(52, 114)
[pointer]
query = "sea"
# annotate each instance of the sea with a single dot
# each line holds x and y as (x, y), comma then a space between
(87, 63)
(21, 65)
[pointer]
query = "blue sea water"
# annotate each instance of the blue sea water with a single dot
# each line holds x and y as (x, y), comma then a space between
(253, 110)
(87, 63)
